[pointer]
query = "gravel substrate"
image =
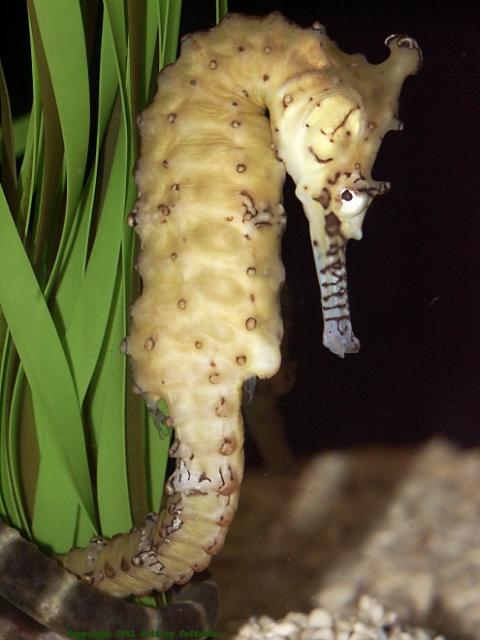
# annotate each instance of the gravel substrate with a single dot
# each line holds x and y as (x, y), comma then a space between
(401, 526)
(369, 622)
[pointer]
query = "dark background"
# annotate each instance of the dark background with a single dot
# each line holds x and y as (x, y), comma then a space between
(414, 279)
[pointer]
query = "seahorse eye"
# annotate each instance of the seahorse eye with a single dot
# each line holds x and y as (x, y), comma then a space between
(353, 202)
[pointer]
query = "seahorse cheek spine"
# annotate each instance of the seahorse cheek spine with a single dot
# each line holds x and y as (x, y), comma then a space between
(210, 218)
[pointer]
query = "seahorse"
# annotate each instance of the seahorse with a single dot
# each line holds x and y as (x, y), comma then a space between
(244, 103)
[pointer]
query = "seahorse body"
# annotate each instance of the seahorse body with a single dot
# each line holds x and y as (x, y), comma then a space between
(243, 102)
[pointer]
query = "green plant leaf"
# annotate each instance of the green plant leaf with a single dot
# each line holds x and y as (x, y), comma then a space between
(20, 131)
(29, 169)
(7, 155)
(170, 13)
(222, 9)
(108, 418)
(55, 402)
(9, 468)
(60, 27)
(156, 449)
(74, 268)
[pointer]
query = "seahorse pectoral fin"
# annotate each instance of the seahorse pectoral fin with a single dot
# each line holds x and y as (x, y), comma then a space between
(338, 334)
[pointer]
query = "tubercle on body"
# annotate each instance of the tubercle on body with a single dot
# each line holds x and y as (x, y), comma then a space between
(244, 102)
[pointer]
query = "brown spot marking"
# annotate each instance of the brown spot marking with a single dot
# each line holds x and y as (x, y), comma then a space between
(250, 324)
(214, 378)
(245, 93)
(223, 409)
(164, 210)
(228, 486)
(334, 180)
(229, 218)
(124, 564)
(165, 164)
(212, 64)
(241, 49)
(234, 104)
(252, 297)
(324, 198)
(175, 187)
(266, 77)
(228, 446)
(193, 82)
(342, 123)
(109, 571)
(235, 124)
(332, 224)
(173, 256)
(372, 125)
(287, 99)
(315, 243)
(198, 345)
(267, 49)
(251, 271)
(172, 117)
(182, 303)
(317, 158)
(149, 344)
(241, 360)
(241, 168)
(214, 547)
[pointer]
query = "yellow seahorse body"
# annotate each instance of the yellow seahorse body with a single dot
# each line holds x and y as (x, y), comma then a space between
(243, 101)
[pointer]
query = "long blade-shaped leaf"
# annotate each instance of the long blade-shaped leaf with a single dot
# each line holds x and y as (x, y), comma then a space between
(222, 9)
(54, 398)
(171, 11)
(61, 30)
(108, 416)
(7, 155)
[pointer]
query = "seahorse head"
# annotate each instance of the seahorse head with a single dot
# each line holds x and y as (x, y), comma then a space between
(333, 121)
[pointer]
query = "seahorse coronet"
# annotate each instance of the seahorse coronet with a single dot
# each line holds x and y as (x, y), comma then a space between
(244, 103)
